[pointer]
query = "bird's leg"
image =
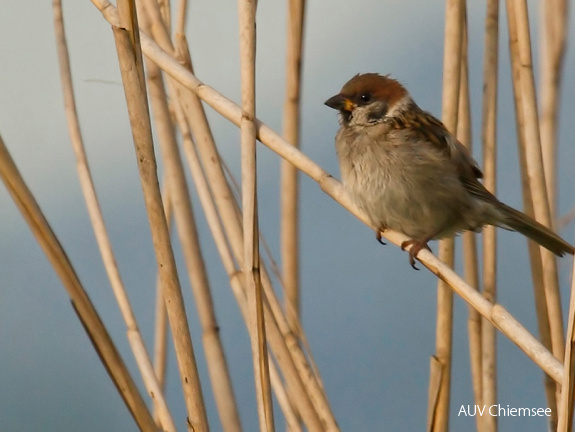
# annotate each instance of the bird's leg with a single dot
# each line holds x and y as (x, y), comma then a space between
(378, 235)
(416, 246)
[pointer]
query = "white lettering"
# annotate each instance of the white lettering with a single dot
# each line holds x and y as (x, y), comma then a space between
(524, 412)
(497, 410)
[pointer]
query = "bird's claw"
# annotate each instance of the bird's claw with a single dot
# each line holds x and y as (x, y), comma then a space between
(414, 250)
(378, 236)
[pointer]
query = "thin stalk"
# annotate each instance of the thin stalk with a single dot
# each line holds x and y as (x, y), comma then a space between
(534, 249)
(131, 67)
(154, 22)
(177, 188)
(160, 336)
(293, 420)
(188, 236)
(278, 345)
(289, 174)
(134, 336)
(161, 317)
(489, 136)
(519, 31)
(568, 384)
(166, 11)
(228, 208)
(251, 263)
(439, 408)
(470, 260)
(554, 38)
(181, 17)
(84, 308)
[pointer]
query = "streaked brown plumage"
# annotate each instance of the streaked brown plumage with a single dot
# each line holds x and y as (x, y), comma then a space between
(408, 173)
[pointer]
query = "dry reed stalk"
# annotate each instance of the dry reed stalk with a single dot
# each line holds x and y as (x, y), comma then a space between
(470, 260)
(229, 212)
(161, 318)
(166, 10)
(293, 420)
(289, 174)
(160, 336)
(489, 137)
(134, 336)
(278, 346)
(129, 55)
(177, 187)
(438, 409)
(305, 366)
(554, 39)
(227, 206)
(225, 107)
(566, 401)
(154, 22)
(305, 389)
(181, 17)
(517, 12)
(301, 336)
(534, 249)
(80, 301)
(160, 347)
(251, 262)
(438, 419)
(188, 236)
(474, 319)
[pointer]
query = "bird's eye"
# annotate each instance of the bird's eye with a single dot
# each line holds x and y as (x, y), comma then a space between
(365, 97)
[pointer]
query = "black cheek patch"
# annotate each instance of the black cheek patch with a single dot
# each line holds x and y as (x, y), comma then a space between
(346, 116)
(378, 111)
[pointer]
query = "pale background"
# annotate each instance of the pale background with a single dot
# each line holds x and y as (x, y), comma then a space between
(369, 317)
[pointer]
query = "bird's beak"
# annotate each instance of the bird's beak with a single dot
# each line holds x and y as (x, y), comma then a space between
(340, 103)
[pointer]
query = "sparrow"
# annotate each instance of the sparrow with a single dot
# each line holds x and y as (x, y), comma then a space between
(408, 173)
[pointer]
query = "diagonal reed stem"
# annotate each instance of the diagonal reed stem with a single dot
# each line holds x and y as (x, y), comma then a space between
(131, 67)
(177, 190)
(80, 301)
(134, 336)
(288, 367)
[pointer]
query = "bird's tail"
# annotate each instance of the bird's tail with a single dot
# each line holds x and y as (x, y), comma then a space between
(529, 227)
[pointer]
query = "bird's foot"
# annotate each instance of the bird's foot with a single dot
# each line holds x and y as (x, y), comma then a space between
(416, 246)
(378, 236)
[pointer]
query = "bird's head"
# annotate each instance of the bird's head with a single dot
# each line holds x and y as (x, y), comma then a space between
(368, 99)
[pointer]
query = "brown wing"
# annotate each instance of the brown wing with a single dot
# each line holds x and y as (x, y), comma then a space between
(434, 131)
